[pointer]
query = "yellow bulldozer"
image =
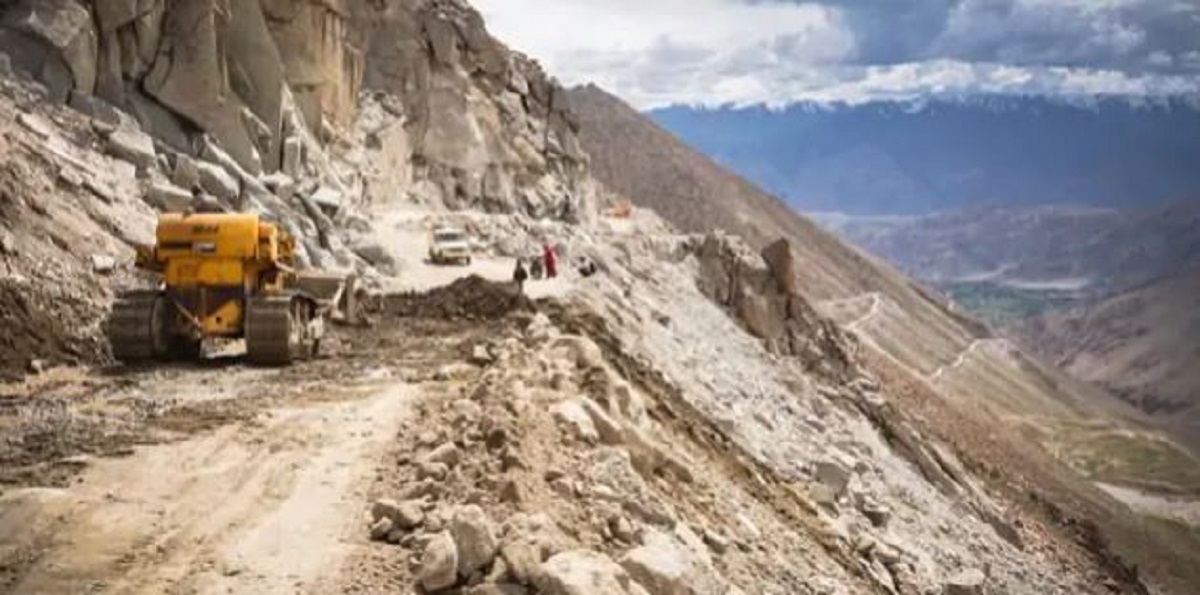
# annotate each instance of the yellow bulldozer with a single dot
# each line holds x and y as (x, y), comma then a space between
(226, 276)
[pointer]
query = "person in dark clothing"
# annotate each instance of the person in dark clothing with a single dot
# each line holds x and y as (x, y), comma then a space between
(587, 267)
(536, 269)
(520, 275)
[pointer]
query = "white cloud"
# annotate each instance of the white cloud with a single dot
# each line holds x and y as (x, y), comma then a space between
(587, 39)
(711, 52)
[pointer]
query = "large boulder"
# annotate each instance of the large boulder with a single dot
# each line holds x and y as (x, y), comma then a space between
(584, 572)
(529, 540)
(967, 582)
(439, 563)
(320, 66)
(189, 77)
(665, 567)
(133, 146)
(168, 198)
(574, 419)
(216, 181)
(782, 263)
(474, 538)
(256, 75)
(834, 474)
(61, 44)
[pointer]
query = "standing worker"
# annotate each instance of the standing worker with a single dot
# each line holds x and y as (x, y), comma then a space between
(520, 275)
(551, 259)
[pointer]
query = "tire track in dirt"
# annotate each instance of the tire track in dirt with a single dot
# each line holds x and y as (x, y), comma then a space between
(244, 510)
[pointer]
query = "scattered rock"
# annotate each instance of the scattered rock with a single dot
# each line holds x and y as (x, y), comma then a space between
(408, 514)
(658, 570)
(447, 454)
(168, 198)
(877, 513)
(38, 366)
(608, 428)
(622, 529)
(584, 352)
(282, 185)
(434, 471)
(185, 174)
(584, 572)
(496, 589)
(103, 264)
(482, 356)
(384, 508)
(292, 157)
(529, 540)
(104, 114)
(8, 246)
(381, 529)
(439, 563)
(572, 416)
(833, 475)
(328, 200)
(36, 124)
(474, 538)
(715, 541)
(216, 181)
(423, 489)
(967, 582)
(133, 146)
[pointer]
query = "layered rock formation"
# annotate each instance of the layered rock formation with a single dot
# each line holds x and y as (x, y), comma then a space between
(482, 126)
(479, 126)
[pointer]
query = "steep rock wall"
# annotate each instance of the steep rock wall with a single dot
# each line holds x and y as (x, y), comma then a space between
(481, 127)
(484, 127)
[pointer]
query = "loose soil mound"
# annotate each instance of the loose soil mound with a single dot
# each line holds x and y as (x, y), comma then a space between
(469, 298)
(34, 328)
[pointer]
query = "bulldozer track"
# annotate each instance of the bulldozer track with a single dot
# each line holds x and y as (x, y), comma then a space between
(131, 329)
(273, 334)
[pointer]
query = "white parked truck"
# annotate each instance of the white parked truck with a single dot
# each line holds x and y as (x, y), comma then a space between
(449, 245)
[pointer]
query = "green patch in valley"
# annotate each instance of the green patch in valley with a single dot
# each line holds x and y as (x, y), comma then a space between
(1000, 304)
(1124, 457)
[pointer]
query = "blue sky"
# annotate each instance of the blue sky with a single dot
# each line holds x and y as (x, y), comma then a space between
(710, 52)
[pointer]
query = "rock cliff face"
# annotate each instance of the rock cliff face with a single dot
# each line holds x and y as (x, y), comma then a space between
(479, 126)
(482, 126)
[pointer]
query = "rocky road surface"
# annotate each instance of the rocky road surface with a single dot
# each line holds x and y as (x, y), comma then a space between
(213, 477)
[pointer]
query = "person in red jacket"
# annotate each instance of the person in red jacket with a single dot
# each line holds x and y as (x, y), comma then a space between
(551, 260)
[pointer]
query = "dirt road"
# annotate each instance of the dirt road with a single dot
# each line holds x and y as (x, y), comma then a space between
(245, 481)
(404, 234)
(244, 509)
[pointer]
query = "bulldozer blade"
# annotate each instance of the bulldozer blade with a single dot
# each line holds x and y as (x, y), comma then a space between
(336, 293)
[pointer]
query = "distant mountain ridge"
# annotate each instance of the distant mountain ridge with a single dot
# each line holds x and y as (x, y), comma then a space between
(919, 157)
(1108, 251)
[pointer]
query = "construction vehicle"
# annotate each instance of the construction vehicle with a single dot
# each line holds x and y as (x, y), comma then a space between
(226, 276)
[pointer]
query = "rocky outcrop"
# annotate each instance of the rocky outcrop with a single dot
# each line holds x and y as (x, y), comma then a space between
(181, 68)
(469, 123)
(482, 126)
(761, 292)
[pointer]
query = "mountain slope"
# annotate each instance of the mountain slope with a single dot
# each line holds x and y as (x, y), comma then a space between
(947, 372)
(1143, 345)
(655, 169)
(915, 158)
